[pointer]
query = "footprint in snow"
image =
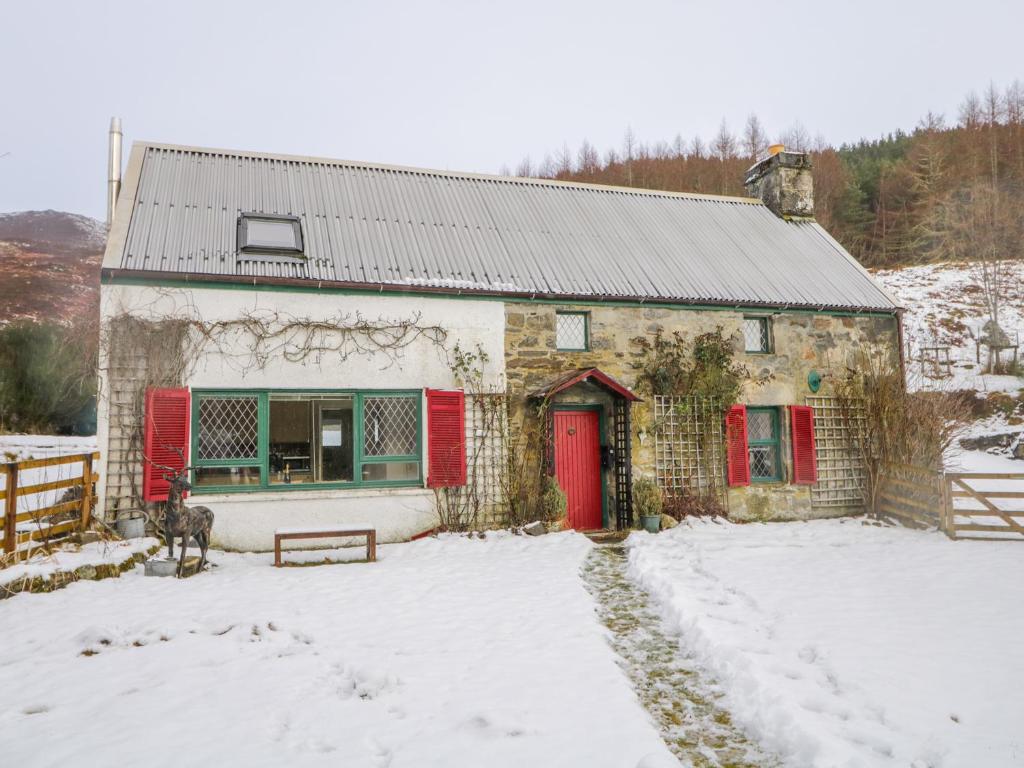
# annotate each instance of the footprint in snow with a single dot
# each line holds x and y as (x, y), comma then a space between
(808, 654)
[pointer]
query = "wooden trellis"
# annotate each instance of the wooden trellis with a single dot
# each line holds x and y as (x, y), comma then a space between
(486, 443)
(841, 476)
(689, 446)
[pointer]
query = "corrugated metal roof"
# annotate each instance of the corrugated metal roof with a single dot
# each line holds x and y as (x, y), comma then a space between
(374, 224)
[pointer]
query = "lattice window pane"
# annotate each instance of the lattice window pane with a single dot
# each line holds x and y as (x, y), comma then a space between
(762, 461)
(389, 426)
(755, 334)
(759, 425)
(228, 428)
(571, 330)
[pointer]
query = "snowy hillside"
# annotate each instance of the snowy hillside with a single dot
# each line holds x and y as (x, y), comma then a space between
(944, 307)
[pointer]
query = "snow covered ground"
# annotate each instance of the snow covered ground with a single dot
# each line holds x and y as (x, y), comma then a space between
(18, 447)
(844, 644)
(446, 652)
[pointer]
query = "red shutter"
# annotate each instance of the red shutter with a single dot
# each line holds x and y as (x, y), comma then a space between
(166, 433)
(805, 462)
(446, 437)
(736, 445)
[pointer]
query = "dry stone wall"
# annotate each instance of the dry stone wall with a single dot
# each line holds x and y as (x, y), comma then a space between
(803, 342)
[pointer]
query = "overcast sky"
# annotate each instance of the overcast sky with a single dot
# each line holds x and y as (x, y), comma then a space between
(467, 85)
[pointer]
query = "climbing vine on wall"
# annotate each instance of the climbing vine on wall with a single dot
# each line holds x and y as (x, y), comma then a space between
(147, 347)
(676, 366)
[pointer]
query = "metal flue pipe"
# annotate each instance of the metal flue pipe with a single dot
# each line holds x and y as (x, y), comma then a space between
(113, 167)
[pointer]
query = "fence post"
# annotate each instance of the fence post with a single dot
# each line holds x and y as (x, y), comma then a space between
(11, 508)
(86, 491)
(948, 524)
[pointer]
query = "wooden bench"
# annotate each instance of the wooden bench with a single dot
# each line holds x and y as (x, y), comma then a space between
(328, 532)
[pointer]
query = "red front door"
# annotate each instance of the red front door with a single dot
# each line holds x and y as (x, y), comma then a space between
(578, 466)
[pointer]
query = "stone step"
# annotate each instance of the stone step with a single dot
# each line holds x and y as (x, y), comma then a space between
(606, 536)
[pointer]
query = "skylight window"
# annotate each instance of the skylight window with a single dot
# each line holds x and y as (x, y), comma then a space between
(268, 233)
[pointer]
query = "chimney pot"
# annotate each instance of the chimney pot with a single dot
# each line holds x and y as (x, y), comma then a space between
(783, 182)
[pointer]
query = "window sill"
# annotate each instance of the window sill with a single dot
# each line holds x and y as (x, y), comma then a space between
(273, 494)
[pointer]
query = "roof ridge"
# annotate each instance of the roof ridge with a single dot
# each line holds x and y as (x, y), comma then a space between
(527, 180)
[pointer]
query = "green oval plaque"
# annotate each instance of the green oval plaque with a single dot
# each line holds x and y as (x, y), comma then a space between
(814, 381)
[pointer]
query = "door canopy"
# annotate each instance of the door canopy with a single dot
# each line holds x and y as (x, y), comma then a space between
(592, 375)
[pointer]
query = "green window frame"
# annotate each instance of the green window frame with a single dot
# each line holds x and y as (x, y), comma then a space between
(765, 470)
(759, 326)
(261, 461)
(582, 317)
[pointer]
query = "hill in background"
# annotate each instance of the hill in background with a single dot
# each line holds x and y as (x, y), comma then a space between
(49, 266)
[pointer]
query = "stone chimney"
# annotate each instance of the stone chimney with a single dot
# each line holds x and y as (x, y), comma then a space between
(783, 181)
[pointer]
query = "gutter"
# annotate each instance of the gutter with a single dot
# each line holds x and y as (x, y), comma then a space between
(110, 276)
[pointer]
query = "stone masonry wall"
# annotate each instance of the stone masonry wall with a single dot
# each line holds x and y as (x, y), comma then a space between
(803, 342)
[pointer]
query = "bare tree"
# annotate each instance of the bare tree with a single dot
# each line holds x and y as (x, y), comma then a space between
(563, 162)
(970, 111)
(546, 170)
(679, 146)
(629, 153)
(796, 138)
(525, 167)
(985, 229)
(993, 106)
(928, 173)
(587, 160)
(724, 144)
(1014, 101)
(755, 140)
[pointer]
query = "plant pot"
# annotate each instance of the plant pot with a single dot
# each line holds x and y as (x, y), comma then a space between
(161, 567)
(131, 527)
(650, 523)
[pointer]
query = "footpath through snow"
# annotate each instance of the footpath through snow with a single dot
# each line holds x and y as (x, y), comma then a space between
(684, 703)
(839, 643)
(446, 652)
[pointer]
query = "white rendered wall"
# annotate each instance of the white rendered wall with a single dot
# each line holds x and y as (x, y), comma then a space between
(246, 521)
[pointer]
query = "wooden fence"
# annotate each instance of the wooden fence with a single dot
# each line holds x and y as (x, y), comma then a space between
(910, 495)
(963, 505)
(37, 524)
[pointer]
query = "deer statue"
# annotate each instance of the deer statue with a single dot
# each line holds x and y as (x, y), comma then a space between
(179, 520)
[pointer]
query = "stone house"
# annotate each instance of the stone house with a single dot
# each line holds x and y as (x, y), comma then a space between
(318, 339)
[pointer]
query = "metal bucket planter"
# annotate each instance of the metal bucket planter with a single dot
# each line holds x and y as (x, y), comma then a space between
(650, 523)
(164, 566)
(131, 527)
